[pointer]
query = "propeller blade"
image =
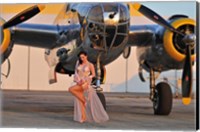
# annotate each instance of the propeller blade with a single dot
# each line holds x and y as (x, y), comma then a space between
(154, 17)
(187, 78)
(23, 16)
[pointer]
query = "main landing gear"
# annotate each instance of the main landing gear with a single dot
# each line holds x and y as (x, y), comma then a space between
(98, 88)
(160, 95)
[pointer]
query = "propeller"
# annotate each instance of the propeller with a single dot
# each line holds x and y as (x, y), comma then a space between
(188, 39)
(155, 17)
(23, 16)
(187, 70)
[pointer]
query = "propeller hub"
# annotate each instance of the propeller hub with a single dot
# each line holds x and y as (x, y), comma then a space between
(189, 39)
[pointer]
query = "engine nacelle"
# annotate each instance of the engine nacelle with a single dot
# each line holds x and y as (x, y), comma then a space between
(6, 43)
(168, 48)
(173, 43)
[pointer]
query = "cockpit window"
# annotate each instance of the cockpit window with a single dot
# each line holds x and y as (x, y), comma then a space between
(96, 14)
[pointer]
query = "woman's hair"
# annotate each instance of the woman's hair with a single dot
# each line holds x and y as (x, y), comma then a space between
(80, 53)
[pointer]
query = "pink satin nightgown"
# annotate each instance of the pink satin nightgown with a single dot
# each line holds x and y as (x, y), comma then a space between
(95, 111)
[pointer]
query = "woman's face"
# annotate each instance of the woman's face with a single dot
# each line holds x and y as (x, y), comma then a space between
(83, 57)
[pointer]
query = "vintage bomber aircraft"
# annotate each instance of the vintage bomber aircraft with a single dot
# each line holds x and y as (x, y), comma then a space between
(104, 31)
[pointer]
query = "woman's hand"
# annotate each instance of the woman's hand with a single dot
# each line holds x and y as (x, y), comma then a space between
(80, 82)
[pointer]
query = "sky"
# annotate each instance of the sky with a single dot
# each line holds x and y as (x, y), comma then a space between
(168, 8)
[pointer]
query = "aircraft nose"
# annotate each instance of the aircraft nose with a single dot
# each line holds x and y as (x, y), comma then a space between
(107, 25)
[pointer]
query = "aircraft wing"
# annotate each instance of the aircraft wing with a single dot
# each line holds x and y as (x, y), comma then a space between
(141, 35)
(44, 36)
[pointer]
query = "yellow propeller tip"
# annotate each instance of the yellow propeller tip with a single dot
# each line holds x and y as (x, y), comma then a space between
(41, 7)
(136, 6)
(186, 101)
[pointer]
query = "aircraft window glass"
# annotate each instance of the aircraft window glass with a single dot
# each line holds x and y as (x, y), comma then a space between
(122, 28)
(119, 39)
(92, 27)
(84, 9)
(95, 14)
(96, 39)
(110, 7)
(110, 33)
(123, 14)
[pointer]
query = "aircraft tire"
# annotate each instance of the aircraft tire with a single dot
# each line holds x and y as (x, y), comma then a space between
(162, 99)
(102, 99)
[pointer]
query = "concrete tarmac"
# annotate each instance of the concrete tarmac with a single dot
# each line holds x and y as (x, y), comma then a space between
(127, 111)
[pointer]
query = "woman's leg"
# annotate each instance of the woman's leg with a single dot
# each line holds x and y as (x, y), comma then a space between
(77, 91)
(83, 117)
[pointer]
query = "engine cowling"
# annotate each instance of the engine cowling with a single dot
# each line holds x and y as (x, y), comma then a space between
(6, 43)
(173, 43)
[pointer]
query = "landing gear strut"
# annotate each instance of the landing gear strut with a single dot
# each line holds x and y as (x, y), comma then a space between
(98, 83)
(152, 85)
(98, 68)
(160, 95)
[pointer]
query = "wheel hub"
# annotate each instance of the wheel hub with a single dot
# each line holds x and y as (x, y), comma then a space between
(155, 100)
